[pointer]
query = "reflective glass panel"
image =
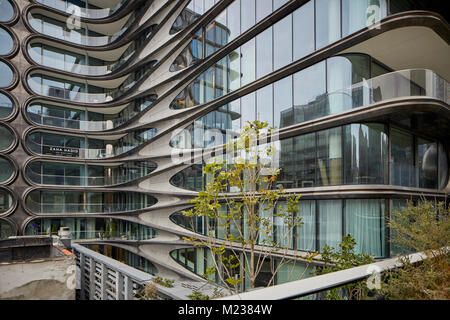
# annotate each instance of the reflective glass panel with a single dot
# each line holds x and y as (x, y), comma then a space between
(7, 75)
(6, 11)
(6, 169)
(7, 138)
(6, 106)
(7, 42)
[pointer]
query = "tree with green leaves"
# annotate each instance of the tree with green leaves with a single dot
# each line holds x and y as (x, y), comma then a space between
(240, 205)
(422, 228)
(341, 259)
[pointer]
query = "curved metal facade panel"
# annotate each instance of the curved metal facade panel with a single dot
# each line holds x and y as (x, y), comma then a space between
(124, 99)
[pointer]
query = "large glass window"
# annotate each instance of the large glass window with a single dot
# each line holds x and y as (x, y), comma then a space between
(6, 199)
(248, 66)
(5, 230)
(305, 160)
(303, 25)
(282, 103)
(282, 42)
(357, 14)
(6, 107)
(365, 152)
(365, 221)
(264, 55)
(7, 42)
(328, 22)
(310, 93)
(7, 77)
(7, 138)
(6, 169)
(329, 157)
(443, 166)
(306, 234)
(427, 156)
(402, 159)
(6, 11)
(330, 223)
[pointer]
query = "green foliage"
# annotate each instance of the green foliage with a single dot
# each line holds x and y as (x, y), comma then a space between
(168, 283)
(344, 258)
(241, 196)
(197, 295)
(422, 228)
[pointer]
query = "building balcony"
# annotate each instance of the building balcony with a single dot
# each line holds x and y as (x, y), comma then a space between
(45, 143)
(86, 175)
(56, 202)
(84, 12)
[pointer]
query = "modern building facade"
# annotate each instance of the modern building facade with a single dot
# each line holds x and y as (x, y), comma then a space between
(105, 107)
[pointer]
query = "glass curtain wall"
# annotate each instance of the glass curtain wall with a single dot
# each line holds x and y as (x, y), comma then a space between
(279, 45)
(352, 154)
(325, 222)
(314, 92)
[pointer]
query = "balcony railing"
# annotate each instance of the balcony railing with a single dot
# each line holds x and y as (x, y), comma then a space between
(83, 208)
(83, 125)
(82, 12)
(394, 85)
(66, 34)
(321, 283)
(66, 180)
(82, 153)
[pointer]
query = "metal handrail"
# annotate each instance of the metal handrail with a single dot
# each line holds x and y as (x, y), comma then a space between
(305, 287)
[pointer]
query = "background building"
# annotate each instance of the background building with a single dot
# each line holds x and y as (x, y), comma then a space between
(94, 96)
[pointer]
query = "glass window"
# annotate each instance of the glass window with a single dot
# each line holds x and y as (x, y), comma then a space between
(263, 9)
(278, 3)
(283, 102)
(366, 150)
(328, 22)
(443, 166)
(330, 223)
(339, 80)
(248, 62)
(287, 164)
(358, 14)
(303, 19)
(402, 159)
(248, 111)
(7, 138)
(234, 19)
(427, 156)
(264, 104)
(264, 56)
(364, 220)
(6, 11)
(305, 160)
(7, 42)
(6, 169)
(306, 234)
(248, 14)
(329, 157)
(5, 228)
(310, 93)
(282, 42)
(7, 75)
(6, 106)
